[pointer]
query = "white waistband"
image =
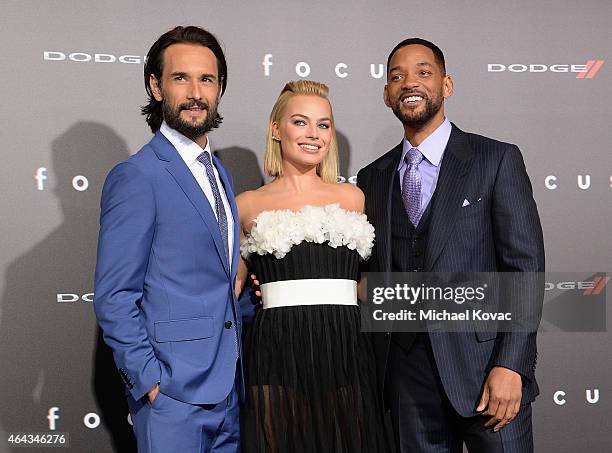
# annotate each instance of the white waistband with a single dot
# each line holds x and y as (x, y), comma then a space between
(311, 291)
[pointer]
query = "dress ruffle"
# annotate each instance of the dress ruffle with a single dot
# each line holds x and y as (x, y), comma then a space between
(276, 232)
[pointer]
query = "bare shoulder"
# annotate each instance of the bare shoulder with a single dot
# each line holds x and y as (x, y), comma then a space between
(251, 202)
(242, 199)
(245, 203)
(351, 197)
(250, 198)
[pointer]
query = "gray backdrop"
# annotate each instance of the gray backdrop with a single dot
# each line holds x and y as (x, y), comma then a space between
(73, 116)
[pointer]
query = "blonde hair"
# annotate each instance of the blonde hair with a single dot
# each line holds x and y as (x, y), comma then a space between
(273, 160)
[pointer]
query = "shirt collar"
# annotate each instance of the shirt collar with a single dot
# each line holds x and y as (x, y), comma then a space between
(433, 146)
(188, 149)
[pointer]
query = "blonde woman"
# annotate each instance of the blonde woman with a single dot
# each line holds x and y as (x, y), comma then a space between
(310, 372)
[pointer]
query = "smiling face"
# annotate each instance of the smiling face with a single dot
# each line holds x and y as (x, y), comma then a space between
(416, 87)
(189, 89)
(305, 130)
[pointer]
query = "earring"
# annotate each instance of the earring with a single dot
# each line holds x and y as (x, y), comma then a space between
(275, 138)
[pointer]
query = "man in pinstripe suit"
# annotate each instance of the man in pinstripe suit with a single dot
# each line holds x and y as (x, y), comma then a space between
(445, 200)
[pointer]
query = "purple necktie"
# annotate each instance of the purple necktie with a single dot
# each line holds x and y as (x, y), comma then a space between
(411, 185)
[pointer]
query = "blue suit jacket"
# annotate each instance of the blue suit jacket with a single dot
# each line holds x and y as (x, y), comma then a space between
(163, 286)
(501, 232)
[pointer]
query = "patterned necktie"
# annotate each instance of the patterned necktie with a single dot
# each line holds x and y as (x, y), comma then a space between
(221, 218)
(411, 186)
(219, 208)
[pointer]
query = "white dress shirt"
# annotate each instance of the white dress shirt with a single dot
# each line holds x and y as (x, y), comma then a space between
(189, 152)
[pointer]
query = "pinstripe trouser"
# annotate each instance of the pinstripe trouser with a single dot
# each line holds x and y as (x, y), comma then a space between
(424, 420)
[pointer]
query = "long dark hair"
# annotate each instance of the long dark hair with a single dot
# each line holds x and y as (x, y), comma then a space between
(155, 65)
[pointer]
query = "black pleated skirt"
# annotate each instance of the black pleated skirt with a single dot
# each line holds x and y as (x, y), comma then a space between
(310, 383)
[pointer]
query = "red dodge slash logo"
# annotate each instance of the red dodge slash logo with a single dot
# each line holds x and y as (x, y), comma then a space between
(592, 66)
(599, 283)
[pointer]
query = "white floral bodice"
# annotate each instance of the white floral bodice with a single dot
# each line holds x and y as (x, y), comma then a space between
(277, 231)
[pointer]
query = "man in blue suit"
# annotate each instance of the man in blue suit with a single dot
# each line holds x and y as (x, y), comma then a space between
(444, 200)
(167, 259)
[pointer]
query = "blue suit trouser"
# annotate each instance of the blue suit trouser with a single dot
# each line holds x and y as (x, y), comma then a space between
(168, 425)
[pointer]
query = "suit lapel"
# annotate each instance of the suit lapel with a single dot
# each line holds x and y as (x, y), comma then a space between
(383, 190)
(450, 191)
(184, 178)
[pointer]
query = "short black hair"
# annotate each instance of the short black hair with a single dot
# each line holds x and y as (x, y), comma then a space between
(155, 65)
(439, 56)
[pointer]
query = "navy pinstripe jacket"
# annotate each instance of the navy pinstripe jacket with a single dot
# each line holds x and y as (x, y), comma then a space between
(500, 232)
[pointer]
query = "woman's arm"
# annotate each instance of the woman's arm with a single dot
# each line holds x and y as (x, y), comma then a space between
(241, 275)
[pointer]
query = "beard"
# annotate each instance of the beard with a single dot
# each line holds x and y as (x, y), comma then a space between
(191, 129)
(417, 118)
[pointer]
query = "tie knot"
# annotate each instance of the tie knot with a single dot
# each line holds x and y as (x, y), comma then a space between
(204, 158)
(413, 157)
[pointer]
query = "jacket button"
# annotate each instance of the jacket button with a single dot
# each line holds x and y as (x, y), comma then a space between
(228, 324)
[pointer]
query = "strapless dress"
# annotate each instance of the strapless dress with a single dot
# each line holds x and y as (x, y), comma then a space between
(310, 371)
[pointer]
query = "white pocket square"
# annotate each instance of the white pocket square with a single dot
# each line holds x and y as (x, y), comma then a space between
(466, 202)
